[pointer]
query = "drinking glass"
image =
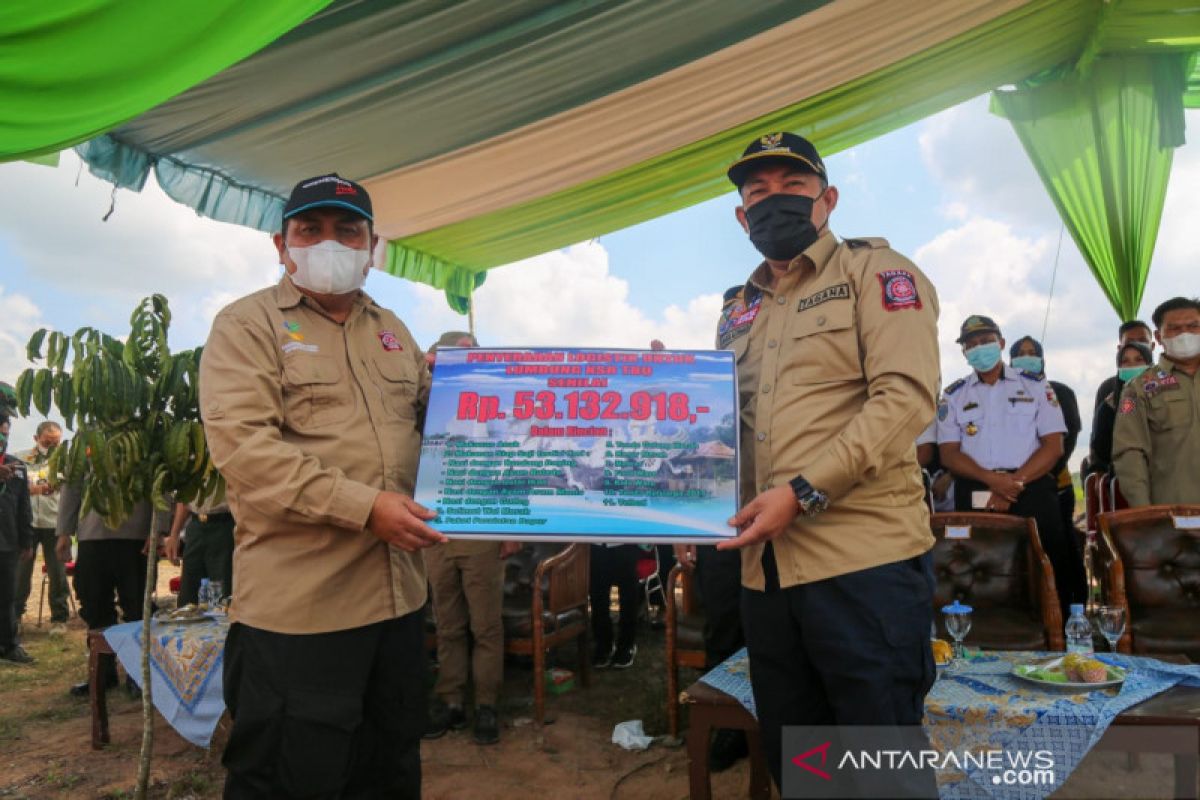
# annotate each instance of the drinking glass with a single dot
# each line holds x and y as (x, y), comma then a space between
(958, 624)
(1112, 624)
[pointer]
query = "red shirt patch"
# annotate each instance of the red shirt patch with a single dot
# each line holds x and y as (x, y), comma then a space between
(1127, 405)
(899, 289)
(389, 341)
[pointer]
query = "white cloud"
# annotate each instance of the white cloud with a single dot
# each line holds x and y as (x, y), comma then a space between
(54, 228)
(569, 298)
(19, 318)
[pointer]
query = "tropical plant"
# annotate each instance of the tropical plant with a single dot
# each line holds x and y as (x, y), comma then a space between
(137, 437)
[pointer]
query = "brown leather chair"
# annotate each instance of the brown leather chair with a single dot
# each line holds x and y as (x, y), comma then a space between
(554, 614)
(1002, 572)
(685, 637)
(1153, 570)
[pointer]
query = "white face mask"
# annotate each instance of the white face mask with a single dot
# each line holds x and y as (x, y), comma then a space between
(1182, 346)
(329, 267)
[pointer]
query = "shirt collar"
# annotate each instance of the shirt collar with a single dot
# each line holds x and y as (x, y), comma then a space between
(818, 255)
(288, 296)
(974, 378)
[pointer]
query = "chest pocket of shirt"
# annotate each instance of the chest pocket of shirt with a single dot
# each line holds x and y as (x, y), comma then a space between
(398, 384)
(1023, 409)
(314, 394)
(824, 345)
(1169, 410)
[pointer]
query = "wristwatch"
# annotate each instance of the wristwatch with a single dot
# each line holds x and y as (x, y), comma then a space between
(811, 501)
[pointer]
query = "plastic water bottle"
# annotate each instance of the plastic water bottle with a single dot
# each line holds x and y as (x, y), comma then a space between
(204, 596)
(1079, 631)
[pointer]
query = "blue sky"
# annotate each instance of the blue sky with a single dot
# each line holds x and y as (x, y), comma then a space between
(954, 192)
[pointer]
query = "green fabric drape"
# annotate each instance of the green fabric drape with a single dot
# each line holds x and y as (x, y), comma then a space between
(73, 69)
(1036, 36)
(1103, 145)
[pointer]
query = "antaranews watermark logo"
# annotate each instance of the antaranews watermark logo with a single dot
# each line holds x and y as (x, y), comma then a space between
(898, 762)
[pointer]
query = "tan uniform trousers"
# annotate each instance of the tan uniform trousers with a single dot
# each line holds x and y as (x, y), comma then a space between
(467, 581)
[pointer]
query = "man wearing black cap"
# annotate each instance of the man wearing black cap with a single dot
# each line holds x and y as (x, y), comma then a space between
(1000, 431)
(837, 358)
(313, 398)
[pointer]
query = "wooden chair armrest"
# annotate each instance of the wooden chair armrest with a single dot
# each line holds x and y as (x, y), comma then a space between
(1051, 612)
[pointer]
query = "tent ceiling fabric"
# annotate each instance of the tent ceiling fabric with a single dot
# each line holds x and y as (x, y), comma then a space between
(490, 132)
(72, 69)
(370, 86)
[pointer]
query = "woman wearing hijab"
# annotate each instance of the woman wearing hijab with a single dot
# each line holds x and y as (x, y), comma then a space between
(1133, 358)
(1027, 355)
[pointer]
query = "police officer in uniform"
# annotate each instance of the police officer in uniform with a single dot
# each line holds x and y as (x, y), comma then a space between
(837, 359)
(1156, 438)
(1000, 431)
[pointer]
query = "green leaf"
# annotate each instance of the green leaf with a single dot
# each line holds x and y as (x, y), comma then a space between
(42, 387)
(24, 390)
(33, 350)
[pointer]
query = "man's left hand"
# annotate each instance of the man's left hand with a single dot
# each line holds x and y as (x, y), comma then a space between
(27, 554)
(763, 518)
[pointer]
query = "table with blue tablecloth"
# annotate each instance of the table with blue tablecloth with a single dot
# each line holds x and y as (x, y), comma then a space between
(185, 670)
(978, 704)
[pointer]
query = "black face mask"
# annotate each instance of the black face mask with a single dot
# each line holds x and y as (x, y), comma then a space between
(781, 225)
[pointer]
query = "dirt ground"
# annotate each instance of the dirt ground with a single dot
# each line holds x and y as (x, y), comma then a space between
(45, 749)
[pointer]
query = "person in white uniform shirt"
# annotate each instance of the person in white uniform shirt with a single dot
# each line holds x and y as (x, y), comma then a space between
(1000, 432)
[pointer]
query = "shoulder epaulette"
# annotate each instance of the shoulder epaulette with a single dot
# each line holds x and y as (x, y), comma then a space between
(954, 387)
(732, 292)
(872, 242)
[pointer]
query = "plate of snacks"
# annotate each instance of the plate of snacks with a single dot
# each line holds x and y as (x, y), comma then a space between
(1073, 672)
(192, 612)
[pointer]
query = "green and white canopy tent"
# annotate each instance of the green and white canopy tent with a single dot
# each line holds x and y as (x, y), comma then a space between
(488, 132)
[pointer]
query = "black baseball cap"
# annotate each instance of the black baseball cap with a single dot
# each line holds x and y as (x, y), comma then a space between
(977, 323)
(325, 191)
(781, 147)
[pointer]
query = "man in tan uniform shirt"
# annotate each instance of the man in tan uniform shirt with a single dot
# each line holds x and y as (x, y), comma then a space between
(1156, 438)
(313, 398)
(837, 359)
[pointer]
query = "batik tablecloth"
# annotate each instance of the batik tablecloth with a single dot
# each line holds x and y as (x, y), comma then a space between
(185, 671)
(979, 705)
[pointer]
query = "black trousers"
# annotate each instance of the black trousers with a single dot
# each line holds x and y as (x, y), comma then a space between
(105, 568)
(847, 650)
(326, 715)
(1040, 500)
(719, 586)
(207, 553)
(8, 589)
(608, 567)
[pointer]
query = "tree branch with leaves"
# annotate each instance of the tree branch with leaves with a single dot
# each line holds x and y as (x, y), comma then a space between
(133, 408)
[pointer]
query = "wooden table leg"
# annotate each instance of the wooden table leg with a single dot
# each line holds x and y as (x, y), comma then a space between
(98, 694)
(699, 731)
(760, 774)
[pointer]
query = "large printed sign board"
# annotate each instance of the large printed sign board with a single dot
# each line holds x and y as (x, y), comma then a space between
(581, 445)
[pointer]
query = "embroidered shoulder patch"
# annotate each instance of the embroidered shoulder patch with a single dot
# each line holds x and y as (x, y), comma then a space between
(389, 341)
(899, 289)
(1127, 405)
(736, 319)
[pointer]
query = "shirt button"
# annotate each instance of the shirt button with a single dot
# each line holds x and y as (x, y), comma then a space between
(762, 437)
(781, 300)
(820, 320)
(772, 343)
(766, 388)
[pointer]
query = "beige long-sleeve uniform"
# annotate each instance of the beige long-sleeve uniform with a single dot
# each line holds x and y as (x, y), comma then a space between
(308, 420)
(837, 374)
(1156, 437)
